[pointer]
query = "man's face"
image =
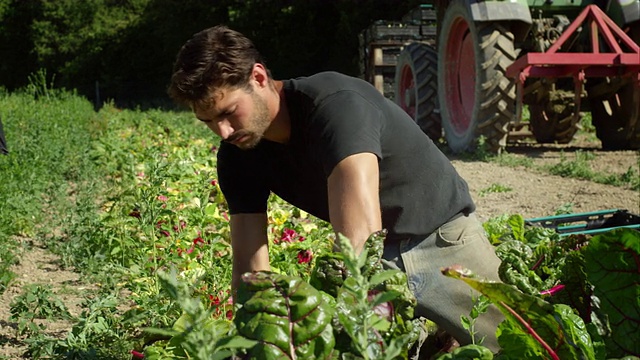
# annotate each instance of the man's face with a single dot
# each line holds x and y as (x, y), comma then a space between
(239, 117)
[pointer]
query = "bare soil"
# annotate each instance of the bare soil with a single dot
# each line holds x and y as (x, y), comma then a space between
(532, 194)
(535, 193)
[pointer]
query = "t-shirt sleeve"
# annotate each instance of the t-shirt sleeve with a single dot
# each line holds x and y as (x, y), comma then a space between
(242, 180)
(345, 124)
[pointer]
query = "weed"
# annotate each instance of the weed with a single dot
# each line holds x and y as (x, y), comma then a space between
(480, 306)
(36, 302)
(494, 188)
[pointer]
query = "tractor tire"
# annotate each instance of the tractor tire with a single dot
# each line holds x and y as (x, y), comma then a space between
(616, 114)
(475, 96)
(416, 87)
(616, 119)
(552, 120)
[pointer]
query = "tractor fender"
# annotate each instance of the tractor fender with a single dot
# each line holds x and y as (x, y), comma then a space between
(516, 12)
(629, 11)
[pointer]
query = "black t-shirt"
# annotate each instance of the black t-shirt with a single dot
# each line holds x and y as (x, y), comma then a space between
(334, 116)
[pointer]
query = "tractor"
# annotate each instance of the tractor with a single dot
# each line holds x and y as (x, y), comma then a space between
(468, 69)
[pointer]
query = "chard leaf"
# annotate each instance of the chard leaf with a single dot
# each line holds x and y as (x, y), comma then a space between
(287, 316)
(561, 333)
(612, 263)
(577, 291)
(468, 352)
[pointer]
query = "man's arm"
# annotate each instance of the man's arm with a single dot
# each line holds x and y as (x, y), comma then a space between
(354, 201)
(249, 245)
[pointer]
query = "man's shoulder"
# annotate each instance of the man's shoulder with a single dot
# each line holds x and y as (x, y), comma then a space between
(328, 83)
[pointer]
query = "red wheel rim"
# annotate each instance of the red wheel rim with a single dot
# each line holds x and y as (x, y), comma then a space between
(407, 91)
(460, 76)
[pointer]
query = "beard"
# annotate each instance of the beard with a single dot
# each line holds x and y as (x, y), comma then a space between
(257, 125)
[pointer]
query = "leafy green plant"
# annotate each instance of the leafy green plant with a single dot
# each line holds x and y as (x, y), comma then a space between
(563, 298)
(7, 259)
(494, 188)
(36, 302)
(480, 306)
(196, 334)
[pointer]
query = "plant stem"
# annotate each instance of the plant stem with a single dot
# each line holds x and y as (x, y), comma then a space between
(531, 331)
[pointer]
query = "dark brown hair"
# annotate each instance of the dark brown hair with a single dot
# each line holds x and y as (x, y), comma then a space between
(212, 59)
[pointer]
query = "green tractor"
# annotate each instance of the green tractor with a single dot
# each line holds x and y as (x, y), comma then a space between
(489, 59)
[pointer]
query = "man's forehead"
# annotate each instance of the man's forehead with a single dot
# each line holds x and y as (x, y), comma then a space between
(215, 101)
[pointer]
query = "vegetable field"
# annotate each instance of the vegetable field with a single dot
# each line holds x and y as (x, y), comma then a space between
(114, 244)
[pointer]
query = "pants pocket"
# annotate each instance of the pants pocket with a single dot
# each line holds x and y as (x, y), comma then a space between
(460, 231)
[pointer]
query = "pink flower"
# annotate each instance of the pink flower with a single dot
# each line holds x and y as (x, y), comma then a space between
(229, 315)
(289, 235)
(162, 198)
(137, 354)
(181, 225)
(304, 256)
(198, 241)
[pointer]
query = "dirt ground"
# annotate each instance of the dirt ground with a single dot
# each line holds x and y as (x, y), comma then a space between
(537, 194)
(532, 194)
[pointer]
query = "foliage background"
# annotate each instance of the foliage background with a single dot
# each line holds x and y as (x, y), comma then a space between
(126, 48)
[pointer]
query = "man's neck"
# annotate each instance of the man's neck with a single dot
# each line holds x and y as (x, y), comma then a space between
(280, 129)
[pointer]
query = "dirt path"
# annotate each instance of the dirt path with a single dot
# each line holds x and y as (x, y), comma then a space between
(535, 194)
(38, 266)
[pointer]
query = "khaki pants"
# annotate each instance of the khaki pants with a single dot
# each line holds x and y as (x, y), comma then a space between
(441, 299)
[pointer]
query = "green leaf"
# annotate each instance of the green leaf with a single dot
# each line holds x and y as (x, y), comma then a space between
(285, 315)
(612, 266)
(560, 332)
(469, 352)
(381, 277)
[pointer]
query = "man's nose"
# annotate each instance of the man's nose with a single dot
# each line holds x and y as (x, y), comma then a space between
(224, 129)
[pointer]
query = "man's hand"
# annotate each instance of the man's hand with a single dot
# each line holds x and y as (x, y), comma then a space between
(249, 245)
(354, 201)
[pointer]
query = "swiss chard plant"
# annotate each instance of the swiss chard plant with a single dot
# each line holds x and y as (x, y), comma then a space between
(366, 312)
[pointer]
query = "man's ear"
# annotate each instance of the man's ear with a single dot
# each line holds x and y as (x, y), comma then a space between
(260, 75)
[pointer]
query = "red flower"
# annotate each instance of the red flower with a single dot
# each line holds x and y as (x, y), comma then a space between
(215, 301)
(229, 315)
(304, 256)
(214, 182)
(198, 241)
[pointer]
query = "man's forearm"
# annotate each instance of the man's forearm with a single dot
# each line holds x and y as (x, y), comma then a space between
(249, 245)
(258, 262)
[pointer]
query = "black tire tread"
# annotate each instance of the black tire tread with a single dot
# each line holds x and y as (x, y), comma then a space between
(423, 60)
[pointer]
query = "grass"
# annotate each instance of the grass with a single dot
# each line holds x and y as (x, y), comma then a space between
(578, 167)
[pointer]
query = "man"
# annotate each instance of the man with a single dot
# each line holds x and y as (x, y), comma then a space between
(333, 146)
